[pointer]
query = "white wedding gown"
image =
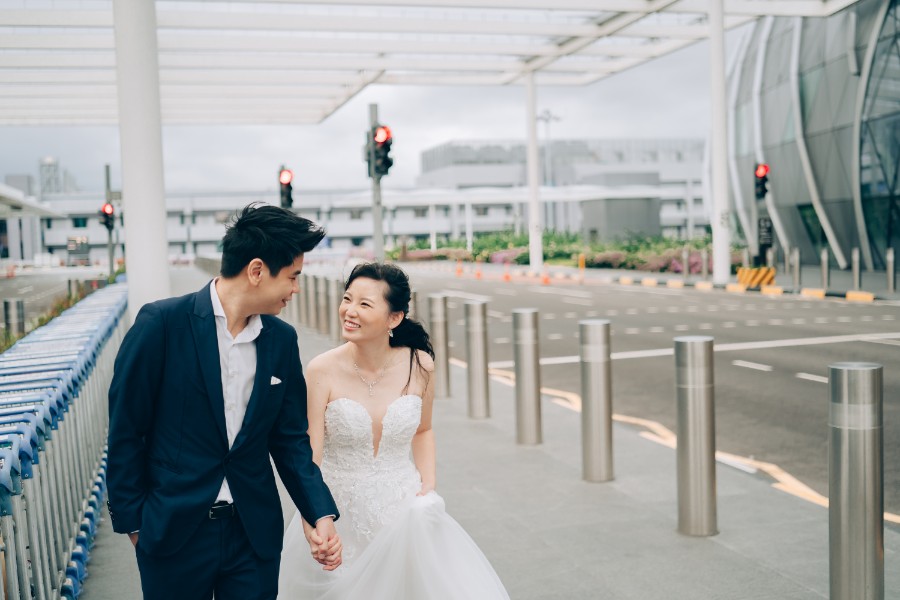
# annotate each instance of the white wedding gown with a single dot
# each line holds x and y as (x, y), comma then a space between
(397, 546)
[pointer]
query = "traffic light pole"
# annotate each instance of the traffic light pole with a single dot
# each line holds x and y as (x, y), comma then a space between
(377, 220)
(110, 248)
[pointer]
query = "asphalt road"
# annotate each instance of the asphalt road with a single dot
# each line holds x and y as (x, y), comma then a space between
(771, 395)
(41, 288)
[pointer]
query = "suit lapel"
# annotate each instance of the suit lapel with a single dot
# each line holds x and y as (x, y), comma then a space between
(261, 383)
(203, 327)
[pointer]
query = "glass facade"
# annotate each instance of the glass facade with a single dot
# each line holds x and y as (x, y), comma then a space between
(880, 142)
(819, 82)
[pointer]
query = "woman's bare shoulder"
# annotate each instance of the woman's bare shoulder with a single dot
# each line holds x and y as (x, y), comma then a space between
(325, 362)
(425, 360)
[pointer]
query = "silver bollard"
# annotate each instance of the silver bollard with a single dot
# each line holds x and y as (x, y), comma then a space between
(854, 261)
(704, 264)
(826, 269)
(440, 339)
(745, 258)
(891, 272)
(413, 309)
(770, 257)
(528, 376)
(476, 350)
(14, 316)
(695, 394)
(855, 482)
(312, 313)
(302, 305)
(335, 296)
(322, 316)
(795, 263)
(686, 262)
(596, 401)
(788, 252)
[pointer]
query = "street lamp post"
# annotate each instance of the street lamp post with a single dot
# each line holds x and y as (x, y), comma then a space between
(547, 117)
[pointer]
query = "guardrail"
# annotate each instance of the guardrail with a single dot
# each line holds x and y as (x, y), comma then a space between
(53, 424)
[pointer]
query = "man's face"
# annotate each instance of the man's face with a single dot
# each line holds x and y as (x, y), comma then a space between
(276, 291)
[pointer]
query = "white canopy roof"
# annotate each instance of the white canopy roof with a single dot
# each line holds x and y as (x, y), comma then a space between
(297, 61)
(14, 203)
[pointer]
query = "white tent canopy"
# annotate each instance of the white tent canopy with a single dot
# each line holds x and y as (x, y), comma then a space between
(298, 61)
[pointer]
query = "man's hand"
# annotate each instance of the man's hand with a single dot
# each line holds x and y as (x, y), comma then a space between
(134, 538)
(325, 544)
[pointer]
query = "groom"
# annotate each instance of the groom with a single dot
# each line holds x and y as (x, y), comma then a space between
(206, 387)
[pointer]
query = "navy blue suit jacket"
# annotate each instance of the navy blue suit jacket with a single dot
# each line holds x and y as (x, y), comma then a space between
(168, 447)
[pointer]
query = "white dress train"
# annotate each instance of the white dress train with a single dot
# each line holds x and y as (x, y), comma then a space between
(397, 546)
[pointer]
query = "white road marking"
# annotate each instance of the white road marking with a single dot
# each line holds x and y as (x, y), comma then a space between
(706, 326)
(866, 318)
(885, 342)
(570, 315)
(505, 292)
(682, 327)
(887, 317)
(751, 323)
(451, 345)
(844, 319)
(25, 289)
(776, 321)
(501, 340)
(612, 313)
(591, 313)
(657, 329)
(550, 316)
(798, 321)
(631, 311)
(712, 308)
(810, 377)
(496, 314)
(579, 301)
(555, 336)
(752, 365)
(632, 331)
(561, 292)
(693, 308)
(729, 325)
(673, 309)
(464, 296)
(821, 320)
(652, 310)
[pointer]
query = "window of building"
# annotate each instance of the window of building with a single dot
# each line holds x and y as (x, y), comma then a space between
(481, 211)
(356, 214)
(79, 222)
(420, 213)
(49, 223)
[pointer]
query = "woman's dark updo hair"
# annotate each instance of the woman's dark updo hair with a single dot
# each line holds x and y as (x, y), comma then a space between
(409, 333)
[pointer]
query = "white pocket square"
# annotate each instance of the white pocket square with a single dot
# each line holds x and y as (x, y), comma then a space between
(275, 380)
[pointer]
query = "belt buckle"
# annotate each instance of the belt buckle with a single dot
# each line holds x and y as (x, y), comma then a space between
(217, 512)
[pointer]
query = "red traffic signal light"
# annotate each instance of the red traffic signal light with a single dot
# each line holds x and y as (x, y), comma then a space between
(762, 169)
(108, 209)
(285, 176)
(382, 134)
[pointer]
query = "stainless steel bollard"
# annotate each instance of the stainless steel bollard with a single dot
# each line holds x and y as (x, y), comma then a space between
(413, 309)
(312, 313)
(335, 296)
(855, 483)
(795, 264)
(302, 304)
(694, 383)
(890, 269)
(826, 269)
(704, 263)
(745, 258)
(14, 315)
(322, 316)
(528, 376)
(686, 262)
(476, 350)
(440, 339)
(770, 257)
(854, 261)
(788, 252)
(596, 401)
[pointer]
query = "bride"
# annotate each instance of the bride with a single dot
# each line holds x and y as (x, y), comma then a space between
(370, 405)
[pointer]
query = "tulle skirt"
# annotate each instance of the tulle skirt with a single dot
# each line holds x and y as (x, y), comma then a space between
(422, 554)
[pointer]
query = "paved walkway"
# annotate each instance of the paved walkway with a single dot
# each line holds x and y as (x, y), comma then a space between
(550, 535)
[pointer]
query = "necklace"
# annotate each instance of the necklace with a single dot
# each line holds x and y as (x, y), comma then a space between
(372, 383)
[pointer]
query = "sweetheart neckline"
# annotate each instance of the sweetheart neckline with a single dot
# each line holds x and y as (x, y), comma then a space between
(375, 451)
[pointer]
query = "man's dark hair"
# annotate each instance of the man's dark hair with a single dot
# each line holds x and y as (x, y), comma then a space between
(273, 234)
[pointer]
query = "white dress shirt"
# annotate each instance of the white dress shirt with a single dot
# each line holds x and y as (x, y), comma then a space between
(237, 360)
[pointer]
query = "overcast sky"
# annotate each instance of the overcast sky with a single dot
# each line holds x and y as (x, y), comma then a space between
(665, 98)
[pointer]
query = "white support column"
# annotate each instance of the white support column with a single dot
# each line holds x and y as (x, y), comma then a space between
(689, 208)
(470, 236)
(140, 139)
(535, 229)
(432, 223)
(721, 225)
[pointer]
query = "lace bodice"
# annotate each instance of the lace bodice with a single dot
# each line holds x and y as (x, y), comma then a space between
(369, 488)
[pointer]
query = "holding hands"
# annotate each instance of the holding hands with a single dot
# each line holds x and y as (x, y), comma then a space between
(325, 544)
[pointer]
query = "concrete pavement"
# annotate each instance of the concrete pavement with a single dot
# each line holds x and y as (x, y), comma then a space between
(550, 535)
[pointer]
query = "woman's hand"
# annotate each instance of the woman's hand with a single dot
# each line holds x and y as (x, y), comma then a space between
(426, 488)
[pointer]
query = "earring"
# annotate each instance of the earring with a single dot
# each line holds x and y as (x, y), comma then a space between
(390, 333)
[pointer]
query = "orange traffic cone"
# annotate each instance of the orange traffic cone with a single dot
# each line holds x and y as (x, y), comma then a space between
(478, 270)
(459, 270)
(506, 275)
(545, 277)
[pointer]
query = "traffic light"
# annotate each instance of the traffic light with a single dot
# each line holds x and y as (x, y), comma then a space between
(285, 176)
(381, 151)
(761, 171)
(108, 216)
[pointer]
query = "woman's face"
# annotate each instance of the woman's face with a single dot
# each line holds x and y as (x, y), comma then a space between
(364, 311)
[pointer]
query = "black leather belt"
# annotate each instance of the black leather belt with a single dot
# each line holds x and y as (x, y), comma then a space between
(221, 510)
